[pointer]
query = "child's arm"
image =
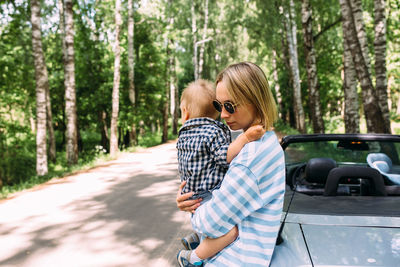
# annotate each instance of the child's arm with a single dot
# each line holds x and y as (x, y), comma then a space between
(251, 134)
(211, 246)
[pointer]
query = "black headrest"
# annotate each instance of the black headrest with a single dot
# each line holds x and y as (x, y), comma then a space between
(378, 187)
(317, 169)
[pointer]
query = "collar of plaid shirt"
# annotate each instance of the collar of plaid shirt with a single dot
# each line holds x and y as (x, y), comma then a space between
(196, 122)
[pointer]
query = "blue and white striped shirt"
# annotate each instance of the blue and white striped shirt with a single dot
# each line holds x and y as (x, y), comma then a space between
(251, 197)
(202, 147)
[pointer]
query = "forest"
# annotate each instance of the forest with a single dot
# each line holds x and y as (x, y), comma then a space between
(85, 78)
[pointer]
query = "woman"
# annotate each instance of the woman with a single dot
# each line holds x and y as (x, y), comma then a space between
(251, 194)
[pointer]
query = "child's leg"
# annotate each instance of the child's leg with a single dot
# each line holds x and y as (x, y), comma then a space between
(190, 242)
(211, 246)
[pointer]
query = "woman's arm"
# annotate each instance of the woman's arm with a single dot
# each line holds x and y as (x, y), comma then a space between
(237, 197)
(240, 195)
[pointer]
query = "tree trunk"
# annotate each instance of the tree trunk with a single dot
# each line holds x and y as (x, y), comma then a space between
(42, 83)
(131, 52)
(380, 60)
(60, 4)
(291, 30)
(136, 129)
(115, 92)
(351, 22)
(69, 81)
(398, 107)
(131, 62)
(276, 83)
(3, 153)
(201, 56)
(361, 34)
(287, 109)
(176, 110)
(105, 140)
(164, 138)
(32, 121)
(133, 136)
(351, 106)
(311, 66)
(194, 35)
(50, 128)
(174, 93)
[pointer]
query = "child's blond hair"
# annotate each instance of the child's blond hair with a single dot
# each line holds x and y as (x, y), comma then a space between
(197, 98)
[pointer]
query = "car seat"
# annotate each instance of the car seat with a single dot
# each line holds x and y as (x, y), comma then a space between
(354, 172)
(315, 174)
(383, 164)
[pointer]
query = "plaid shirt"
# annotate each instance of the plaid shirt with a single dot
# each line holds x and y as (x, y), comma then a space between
(202, 148)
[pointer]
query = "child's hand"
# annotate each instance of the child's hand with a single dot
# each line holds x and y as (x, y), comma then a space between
(254, 132)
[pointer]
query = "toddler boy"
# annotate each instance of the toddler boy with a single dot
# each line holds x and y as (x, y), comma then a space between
(204, 153)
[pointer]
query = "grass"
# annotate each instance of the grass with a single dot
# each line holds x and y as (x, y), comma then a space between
(56, 170)
(91, 156)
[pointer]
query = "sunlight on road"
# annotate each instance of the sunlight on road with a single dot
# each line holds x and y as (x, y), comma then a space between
(120, 214)
(161, 188)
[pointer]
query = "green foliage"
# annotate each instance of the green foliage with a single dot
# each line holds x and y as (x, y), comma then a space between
(281, 127)
(334, 125)
(17, 150)
(240, 30)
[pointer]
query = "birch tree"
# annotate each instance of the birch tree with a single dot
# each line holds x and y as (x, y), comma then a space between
(174, 96)
(311, 67)
(131, 63)
(131, 52)
(42, 83)
(170, 69)
(173, 92)
(398, 106)
(164, 137)
(291, 31)
(351, 106)
(115, 92)
(50, 128)
(205, 28)
(276, 81)
(194, 36)
(380, 60)
(171, 66)
(287, 113)
(354, 34)
(69, 82)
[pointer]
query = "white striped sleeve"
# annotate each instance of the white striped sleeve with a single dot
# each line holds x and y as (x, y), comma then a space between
(238, 197)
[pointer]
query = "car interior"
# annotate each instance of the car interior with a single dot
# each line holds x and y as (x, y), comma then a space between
(323, 176)
(352, 178)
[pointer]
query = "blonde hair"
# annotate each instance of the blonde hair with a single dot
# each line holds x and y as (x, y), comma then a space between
(197, 97)
(247, 84)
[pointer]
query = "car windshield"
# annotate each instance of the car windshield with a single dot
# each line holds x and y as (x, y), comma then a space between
(343, 152)
(357, 163)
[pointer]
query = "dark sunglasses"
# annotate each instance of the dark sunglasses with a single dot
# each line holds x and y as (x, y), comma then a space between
(230, 107)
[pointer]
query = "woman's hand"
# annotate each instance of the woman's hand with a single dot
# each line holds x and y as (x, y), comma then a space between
(182, 200)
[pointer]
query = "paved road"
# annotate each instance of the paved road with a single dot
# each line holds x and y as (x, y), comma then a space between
(122, 213)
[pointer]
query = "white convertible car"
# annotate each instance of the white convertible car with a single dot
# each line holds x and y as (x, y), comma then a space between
(342, 202)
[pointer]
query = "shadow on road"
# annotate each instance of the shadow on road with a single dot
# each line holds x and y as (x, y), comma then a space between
(119, 215)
